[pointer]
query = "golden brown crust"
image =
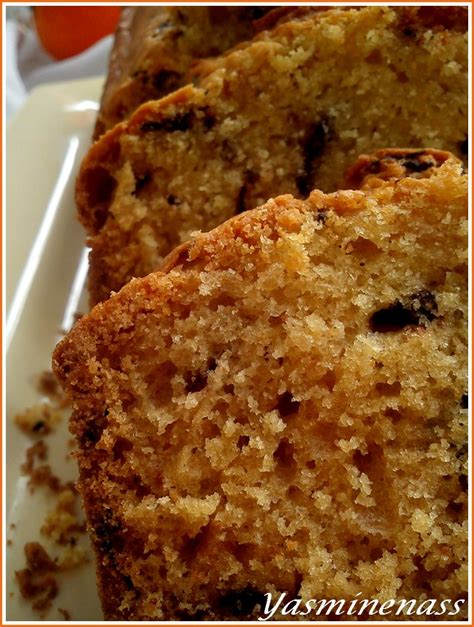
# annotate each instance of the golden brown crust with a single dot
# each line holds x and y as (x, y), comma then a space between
(130, 31)
(411, 18)
(154, 48)
(271, 366)
(272, 117)
(145, 64)
(286, 13)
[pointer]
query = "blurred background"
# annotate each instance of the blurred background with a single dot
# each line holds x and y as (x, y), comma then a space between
(46, 44)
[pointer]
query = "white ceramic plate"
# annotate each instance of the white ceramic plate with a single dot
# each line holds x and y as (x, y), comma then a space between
(46, 265)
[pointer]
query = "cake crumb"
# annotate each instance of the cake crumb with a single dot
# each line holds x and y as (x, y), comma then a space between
(48, 384)
(38, 451)
(72, 557)
(36, 581)
(39, 581)
(38, 559)
(63, 521)
(42, 474)
(38, 419)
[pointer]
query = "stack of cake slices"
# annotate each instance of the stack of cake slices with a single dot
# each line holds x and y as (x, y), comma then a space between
(270, 392)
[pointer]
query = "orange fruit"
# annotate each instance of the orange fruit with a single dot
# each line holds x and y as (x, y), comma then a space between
(65, 31)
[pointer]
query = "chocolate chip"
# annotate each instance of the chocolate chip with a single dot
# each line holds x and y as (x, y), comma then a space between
(180, 122)
(414, 310)
(208, 120)
(321, 216)
(313, 146)
(166, 80)
(140, 183)
(464, 401)
(399, 155)
(172, 200)
(242, 602)
(409, 31)
(240, 202)
(413, 164)
(256, 13)
(250, 178)
(417, 166)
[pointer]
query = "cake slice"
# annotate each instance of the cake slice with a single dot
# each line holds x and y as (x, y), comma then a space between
(286, 113)
(154, 49)
(282, 409)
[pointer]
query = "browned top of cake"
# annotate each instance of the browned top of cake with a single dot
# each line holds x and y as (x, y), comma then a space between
(155, 47)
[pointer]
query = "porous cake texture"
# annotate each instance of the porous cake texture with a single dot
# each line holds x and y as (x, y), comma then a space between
(283, 408)
(285, 113)
(155, 47)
